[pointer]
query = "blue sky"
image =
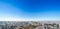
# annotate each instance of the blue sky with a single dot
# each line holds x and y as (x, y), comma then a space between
(30, 10)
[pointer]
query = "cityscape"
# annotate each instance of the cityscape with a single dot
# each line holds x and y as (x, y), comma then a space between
(29, 25)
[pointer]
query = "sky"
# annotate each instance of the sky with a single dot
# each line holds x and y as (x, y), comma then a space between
(29, 10)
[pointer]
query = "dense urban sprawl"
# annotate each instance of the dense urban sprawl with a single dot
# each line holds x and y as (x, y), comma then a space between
(29, 25)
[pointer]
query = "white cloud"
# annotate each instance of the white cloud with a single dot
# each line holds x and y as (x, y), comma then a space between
(10, 18)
